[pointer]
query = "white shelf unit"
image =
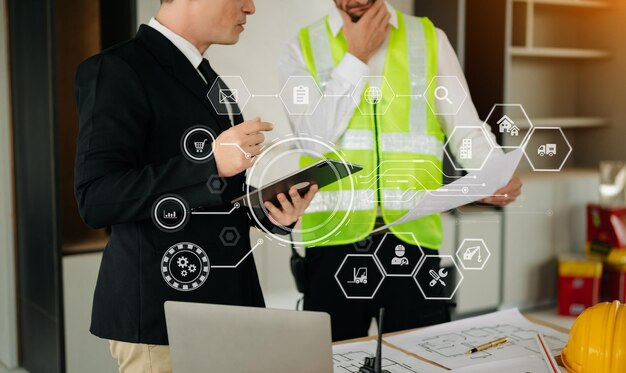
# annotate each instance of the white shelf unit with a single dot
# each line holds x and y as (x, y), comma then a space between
(563, 122)
(557, 52)
(571, 3)
(551, 47)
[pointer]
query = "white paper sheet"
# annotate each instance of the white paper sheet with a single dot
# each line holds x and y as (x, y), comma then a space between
(517, 365)
(474, 186)
(447, 344)
(349, 357)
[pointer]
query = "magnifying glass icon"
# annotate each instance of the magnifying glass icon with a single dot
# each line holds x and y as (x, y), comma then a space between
(441, 94)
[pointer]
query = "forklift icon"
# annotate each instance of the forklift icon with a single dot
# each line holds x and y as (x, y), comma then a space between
(359, 276)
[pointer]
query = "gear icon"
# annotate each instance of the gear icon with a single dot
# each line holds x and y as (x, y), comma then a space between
(192, 268)
(182, 262)
(183, 273)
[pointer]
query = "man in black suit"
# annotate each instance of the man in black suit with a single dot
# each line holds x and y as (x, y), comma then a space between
(137, 101)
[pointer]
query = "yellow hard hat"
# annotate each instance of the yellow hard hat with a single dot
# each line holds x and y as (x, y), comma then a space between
(597, 341)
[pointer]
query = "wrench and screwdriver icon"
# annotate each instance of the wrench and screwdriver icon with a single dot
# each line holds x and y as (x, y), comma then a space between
(438, 277)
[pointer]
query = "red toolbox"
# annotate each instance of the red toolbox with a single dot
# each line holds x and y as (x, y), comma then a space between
(614, 283)
(606, 233)
(579, 283)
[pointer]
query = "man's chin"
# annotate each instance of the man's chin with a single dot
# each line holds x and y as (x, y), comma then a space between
(355, 16)
(230, 41)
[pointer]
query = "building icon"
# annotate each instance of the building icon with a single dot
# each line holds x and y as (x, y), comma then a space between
(465, 152)
(505, 123)
(514, 130)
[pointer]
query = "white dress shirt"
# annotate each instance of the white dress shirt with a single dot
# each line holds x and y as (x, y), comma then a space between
(331, 118)
(189, 50)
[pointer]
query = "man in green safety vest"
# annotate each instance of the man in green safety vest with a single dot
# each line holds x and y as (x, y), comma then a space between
(386, 83)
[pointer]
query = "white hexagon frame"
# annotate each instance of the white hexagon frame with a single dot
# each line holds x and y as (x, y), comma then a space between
(382, 272)
(461, 246)
(564, 159)
(452, 158)
(357, 99)
(241, 105)
(321, 94)
(457, 285)
(435, 80)
(526, 137)
(383, 267)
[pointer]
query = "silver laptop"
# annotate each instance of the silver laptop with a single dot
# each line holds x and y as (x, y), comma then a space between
(216, 338)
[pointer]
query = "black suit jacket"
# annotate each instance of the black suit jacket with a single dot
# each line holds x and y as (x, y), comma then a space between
(136, 100)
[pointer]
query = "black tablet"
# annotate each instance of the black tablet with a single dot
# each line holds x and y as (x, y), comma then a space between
(322, 173)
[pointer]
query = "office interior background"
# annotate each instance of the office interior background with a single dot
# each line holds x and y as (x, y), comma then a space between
(564, 61)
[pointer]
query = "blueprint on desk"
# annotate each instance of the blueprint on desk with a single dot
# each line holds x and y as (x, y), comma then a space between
(447, 344)
(349, 357)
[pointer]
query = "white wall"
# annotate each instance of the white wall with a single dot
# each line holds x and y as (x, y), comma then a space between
(8, 324)
(254, 59)
(83, 351)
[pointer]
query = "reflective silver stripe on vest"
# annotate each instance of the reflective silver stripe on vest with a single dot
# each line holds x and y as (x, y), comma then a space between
(322, 53)
(357, 140)
(396, 199)
(364, 199)
(416, 43)
(401, 142)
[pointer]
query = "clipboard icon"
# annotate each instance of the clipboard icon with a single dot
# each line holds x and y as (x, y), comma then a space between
(228, 96)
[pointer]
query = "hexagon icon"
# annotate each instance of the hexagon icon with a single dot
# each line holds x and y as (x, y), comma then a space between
(547, 149)
(374, 89)
(216, 184)
(229, 236)
(398, 259)
(511, 122)
(448, 95)
(436, 282)
(473, 254)
(364, 245)
(300, 95)
(466, 156)
(359, 276)
(234, 93)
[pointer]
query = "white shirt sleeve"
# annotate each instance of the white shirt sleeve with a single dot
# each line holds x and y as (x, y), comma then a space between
(331, 117)
(448, 65)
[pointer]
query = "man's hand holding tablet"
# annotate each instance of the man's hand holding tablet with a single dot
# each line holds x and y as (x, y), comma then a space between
(291, 210)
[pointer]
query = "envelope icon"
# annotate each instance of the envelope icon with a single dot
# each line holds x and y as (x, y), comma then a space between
(228, 96)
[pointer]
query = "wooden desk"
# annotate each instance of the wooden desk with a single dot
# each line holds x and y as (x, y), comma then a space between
(534, 320)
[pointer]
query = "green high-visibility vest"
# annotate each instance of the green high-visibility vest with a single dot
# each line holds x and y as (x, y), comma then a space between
(400, 148)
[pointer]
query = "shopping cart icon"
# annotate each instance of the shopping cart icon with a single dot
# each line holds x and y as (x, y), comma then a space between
(199, 146)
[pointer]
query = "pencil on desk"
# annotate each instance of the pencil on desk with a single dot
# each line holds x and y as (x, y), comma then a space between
(497, 342)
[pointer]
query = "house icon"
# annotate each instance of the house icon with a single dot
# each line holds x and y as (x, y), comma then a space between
(505, 124)
(514, 130)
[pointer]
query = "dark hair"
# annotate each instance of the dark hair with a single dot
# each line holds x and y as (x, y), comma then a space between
(166, 1)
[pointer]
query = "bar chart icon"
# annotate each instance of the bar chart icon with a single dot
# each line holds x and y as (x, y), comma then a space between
(169, 215)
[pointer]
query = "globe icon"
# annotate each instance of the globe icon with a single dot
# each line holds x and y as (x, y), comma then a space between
(373, 95)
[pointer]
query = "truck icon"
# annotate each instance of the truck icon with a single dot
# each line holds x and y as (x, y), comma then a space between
(359, 276)
(549, 149)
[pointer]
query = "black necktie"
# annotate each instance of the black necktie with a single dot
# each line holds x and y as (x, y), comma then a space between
(216, 85)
